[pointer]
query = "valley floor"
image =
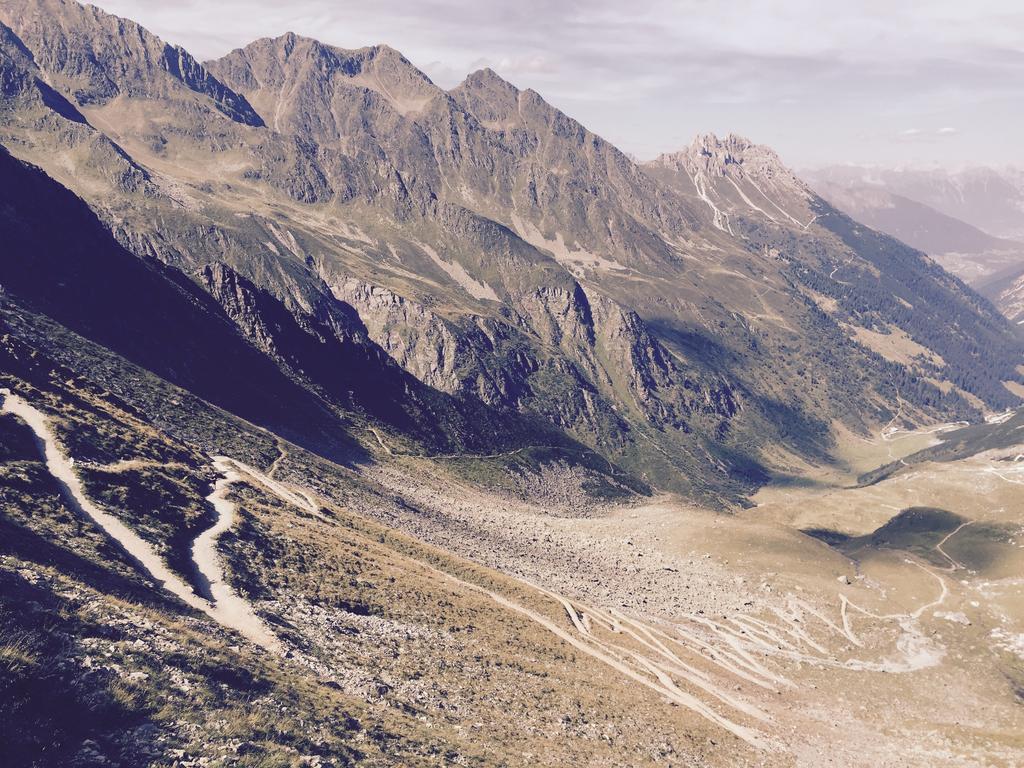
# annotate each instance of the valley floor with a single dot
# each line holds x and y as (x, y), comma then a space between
(831, 624)
(901, 649)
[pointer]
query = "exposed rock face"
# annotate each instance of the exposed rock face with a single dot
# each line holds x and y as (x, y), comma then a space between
(669, 394)
(501, 152)
(458, 358)
(733, 155)
(478, 257)
(355, 99)
(97, 57)
(755, 198)
(29, 102)
(304, 77)
(78, 275)
(328, 349)
(734, 176)
(602, 347)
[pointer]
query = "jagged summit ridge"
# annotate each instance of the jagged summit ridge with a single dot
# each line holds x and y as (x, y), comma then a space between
(733, 155)
(486, 77)
(733, 177)
(351, 62)
(98, 57)
(493, 100)
(314, 71)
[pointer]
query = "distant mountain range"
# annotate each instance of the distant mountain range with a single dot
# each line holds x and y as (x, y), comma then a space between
(989, 199)
(972, 221)
(465, 272)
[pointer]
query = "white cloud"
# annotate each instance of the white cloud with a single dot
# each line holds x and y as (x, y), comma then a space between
(810, 77)
(537, 63)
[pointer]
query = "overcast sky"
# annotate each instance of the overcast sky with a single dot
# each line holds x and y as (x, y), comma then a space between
(888, 82)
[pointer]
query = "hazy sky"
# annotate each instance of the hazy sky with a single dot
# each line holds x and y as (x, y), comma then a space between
(888, 82)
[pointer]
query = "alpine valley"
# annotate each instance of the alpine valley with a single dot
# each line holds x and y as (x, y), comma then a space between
(348, 420)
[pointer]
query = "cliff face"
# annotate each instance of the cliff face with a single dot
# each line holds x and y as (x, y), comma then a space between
(478, 257)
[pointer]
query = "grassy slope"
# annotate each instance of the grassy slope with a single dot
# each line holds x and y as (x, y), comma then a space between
(95, 660)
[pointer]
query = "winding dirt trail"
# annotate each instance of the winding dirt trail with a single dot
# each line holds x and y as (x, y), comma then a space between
(617, 657)
(297, 497)
(954, 565)
(282, 453)
(695, 663)
(659, 673)
(645, 659)
(227, 609)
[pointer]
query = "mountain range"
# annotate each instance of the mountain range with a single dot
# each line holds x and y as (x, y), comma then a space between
(374, 235)
(989, 199)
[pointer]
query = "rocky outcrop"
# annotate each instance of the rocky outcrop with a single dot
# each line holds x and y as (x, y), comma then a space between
(602, 352)
(732, 155)
(329, 349)
(477, 356)
(668, 393)
(736, 178)
(27, 100)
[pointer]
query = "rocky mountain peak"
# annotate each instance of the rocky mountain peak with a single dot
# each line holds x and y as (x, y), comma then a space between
(486, 79)
(350, 62)
(270, 63)
(734, 156)
(734, 176)
(97, 57)
(585, 276)
(492, 99)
